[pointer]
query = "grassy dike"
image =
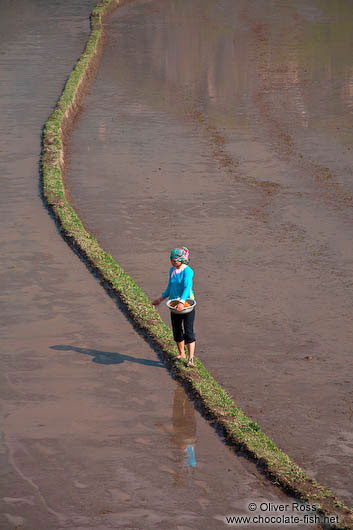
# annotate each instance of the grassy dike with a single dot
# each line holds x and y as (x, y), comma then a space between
(239, 430)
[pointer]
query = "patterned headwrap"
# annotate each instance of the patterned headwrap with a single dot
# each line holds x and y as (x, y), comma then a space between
(180, 254)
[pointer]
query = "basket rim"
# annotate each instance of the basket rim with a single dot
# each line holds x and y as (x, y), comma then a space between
(185, 310)
(187, 300)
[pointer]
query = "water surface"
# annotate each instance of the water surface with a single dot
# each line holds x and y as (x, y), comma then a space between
(226, 127)
(94, 432)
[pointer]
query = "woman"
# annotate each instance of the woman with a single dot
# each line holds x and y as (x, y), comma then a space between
(180, 287)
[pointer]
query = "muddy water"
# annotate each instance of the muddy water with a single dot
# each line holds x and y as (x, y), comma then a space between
(227, 127)
(94, 432)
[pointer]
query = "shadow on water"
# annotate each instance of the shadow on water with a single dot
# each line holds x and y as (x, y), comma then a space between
(107, 357)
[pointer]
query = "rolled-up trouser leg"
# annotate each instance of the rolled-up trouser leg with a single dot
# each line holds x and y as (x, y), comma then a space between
(183, 327)
(189, 334)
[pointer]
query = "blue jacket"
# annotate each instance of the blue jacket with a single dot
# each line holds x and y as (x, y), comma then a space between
(180, 285)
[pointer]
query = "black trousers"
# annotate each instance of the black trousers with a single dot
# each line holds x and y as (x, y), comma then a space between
(183, 327)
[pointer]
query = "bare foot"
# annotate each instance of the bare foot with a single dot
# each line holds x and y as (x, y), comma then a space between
(191, 362)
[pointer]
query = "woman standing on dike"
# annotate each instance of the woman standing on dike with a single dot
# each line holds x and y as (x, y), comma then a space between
(180, 286)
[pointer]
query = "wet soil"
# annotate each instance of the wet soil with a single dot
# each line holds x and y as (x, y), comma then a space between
(94, 432)
(227, 127)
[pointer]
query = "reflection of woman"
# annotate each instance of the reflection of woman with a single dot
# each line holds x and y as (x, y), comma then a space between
(183, 431)
(180, 287)
(184, 425)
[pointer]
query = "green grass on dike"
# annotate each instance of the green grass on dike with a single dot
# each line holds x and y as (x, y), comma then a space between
(239, 430)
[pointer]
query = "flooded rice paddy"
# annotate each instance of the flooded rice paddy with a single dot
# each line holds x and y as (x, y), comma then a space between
(227, 127)
(94, 432)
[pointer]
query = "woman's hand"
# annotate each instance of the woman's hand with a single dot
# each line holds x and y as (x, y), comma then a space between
(157, 301)
(180, 306)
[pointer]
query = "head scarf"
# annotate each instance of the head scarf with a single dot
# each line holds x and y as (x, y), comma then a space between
(180, 254)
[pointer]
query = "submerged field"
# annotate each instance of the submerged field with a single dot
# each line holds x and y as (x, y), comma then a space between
(235, 140)
(191, 134)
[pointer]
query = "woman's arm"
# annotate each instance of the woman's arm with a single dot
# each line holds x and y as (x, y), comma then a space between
(157, 301)
(188, 276)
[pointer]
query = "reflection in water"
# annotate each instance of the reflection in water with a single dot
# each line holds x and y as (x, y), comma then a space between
(231, 61)
(210, 58)
(347, 90)
(182, 432)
